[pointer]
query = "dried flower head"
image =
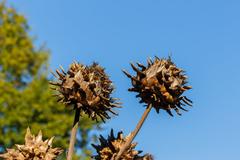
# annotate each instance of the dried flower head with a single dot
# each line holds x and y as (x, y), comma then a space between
(34, 149)
(161, 84)
(87, 88)
(110, 147)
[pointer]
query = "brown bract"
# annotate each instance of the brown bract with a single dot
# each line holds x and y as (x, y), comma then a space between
(34, 149)
(108, 148)
(87, 88)
(160, 83)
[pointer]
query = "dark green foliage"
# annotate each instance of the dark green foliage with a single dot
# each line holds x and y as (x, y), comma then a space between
(25, 97)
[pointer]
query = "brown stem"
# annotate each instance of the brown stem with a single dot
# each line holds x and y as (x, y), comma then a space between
(73, 134)
(134, 133)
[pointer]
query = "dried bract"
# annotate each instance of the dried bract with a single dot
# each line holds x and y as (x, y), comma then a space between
(108, 148)
(34, 149)
(87, 88)
(160, 83)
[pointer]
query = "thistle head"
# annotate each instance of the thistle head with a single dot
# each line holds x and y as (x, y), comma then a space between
(33, 149)
(87, 88)
(161, 83)
(109, 148)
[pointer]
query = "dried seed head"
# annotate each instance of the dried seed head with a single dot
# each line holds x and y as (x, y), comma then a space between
(34, 149)
(161, 84)
(87, 88)
(110, 147)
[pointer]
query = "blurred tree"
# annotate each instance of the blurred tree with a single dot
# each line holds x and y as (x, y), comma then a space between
(25, 98)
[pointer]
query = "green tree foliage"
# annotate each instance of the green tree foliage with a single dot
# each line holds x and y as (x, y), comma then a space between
(25, 97)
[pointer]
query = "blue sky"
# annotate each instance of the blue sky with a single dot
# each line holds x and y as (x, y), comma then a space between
(202, 37)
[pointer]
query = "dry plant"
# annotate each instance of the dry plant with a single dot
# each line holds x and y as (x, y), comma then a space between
(33, 149)
(160, 84)
(87, 89)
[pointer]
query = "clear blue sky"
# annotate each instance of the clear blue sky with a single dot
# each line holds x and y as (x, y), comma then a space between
(203, 38)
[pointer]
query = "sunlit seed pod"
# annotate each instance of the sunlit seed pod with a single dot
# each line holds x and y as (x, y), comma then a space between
(160, 83)
(87, 88)
(33, 149)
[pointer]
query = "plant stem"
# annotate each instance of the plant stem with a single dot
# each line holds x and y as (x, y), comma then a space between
(134, 133)
(73, 134)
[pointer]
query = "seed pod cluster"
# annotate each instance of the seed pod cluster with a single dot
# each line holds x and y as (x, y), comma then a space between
(34, 149)
(108, 148)
(160, 83)
(87, 88)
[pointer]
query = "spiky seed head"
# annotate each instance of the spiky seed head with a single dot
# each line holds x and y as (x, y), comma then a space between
(160, 83)
(33, 149)
(108, 148)
(87, 88)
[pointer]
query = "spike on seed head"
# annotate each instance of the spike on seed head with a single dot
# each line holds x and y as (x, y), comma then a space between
(127, 74)
(54, 74)
(161, 83)
(62, 70)
(149, 61)
(157, 58)
(141, 66)
(137, 70)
